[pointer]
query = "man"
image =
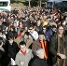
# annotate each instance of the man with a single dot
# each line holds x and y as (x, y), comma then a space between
(11, 47)
(58, 47)
(45, 31)
(39, 59)
(28, 40)
(39, 26)
(24, 55)
(33, 33)
(41, 43)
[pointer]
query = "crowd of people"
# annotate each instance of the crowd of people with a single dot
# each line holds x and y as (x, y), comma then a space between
(33, 37)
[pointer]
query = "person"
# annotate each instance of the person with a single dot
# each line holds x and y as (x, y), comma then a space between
(1, 44)
(28, 40)
(54, 30)
(46, 34)
(39, 59)
(41, 43)
(2, 51)
(12, 29)
(58, 47)
(5, 60)
(11, 47)
(2, 34)
(44, 29)
(33, 33)
(21, 32)
(24, 55)
(66, 29)
(39, 26)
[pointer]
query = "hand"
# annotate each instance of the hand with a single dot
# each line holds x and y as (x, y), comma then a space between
(22, 63)
(62, 56)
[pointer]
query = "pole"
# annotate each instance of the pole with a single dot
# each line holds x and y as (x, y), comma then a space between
(40, 3)
(29, 4)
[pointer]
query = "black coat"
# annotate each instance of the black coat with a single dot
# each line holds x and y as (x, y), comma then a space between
(11, 50)
(39, 28)
(38, 62)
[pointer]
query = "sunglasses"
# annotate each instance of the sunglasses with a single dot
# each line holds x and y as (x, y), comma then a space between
(30, 29)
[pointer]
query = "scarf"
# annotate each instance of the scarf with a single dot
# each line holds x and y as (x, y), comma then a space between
(43, 44)
(24, 53)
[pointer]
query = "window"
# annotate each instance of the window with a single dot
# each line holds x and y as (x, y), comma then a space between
(3, 4)
(49, 4)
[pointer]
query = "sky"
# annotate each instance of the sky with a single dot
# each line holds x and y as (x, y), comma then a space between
(57, 0)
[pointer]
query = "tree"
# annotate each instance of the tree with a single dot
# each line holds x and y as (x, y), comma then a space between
(18, 1)
(39, 1)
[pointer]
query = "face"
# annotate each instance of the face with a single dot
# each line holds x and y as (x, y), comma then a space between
(15, 24)
(44, 30)
(41, 55)
(10, 41)
(54, 29)
(31, 29)
(41, 37)
(26, 28)
(20, 25)
(22, 47)
(38, 23)
(60, 30)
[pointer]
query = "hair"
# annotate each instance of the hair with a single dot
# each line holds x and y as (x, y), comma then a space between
(45, 26)
(13, 28)
(59, 26)
(10, 36)
(21, 30)
(41, 33)
(38, 51)
(22, 43)
(27, 33)
(53, 26)
(31, 25)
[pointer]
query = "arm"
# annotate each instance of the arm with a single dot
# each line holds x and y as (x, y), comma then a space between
(36, 36)
(34, 46)
(29, 42)
(17, 59)
(52, 46)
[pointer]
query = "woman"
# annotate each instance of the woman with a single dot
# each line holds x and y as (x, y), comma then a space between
(58, 47)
